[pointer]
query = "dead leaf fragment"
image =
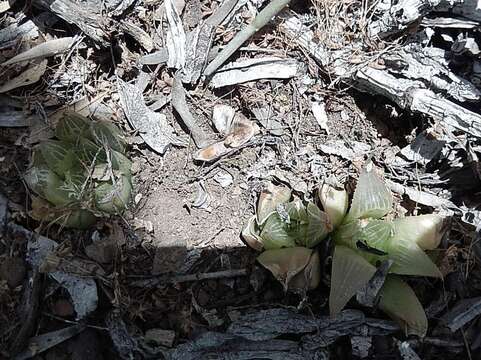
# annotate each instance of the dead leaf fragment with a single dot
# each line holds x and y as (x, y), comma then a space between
(222, 117)
(242, 130)
(28, 77)
(296, 267)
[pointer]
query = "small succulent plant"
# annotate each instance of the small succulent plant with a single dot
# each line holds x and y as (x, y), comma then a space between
(287, 233)
(80, 175)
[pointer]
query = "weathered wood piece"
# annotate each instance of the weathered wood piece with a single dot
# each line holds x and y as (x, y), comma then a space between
(87, 18)
(462, 313)
(176, 37)
(153, 127)
(430, 65)
(43, 50)
(409, 93)
(245, 70)
(199, 42)
(138, 34)
(397, 17)
(469, 9)
(41, 343)
(213, 345)
(14, 32)
(123, 342)
(179, 103)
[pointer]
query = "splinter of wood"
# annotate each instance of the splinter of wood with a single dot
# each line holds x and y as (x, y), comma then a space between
(259, 22)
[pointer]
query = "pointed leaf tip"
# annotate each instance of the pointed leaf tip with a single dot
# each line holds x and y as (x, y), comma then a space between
(269, 199)
(399, 301)
(410, 259)
(296, 267)
(334, 202)
(250, 234)
(350, 272)
(425, 230)
(372, 199)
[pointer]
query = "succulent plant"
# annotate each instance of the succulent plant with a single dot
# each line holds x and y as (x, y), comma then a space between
(288, 231)
(80, 175)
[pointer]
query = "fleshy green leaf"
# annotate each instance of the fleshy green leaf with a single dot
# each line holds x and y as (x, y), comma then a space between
(77, 219)
(425, 230)
(113, 198)
(121, 162)
(399, 301)
(377, 234)
(350, 272)
(89, 153)
(72, 127)
(346, 234)
(374, 240)
(372, 199)
(107, 134)
(48, 185)
(269, 199)
(274, 233)
(308, 225)
(410, 259)
(251, 233)
(59, 157)
(334, 202)
(295, 268)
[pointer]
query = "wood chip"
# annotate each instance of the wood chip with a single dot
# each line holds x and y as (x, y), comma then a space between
(10, 34)
(123, 342)
(245, 70)
(41, 343)
(153, 127)
(138, 34)
(320, 114)
(87, 18)
(462, 313)
(158, 57)
(4, 6)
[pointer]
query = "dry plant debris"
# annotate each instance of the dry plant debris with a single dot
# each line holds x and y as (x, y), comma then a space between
(217, 100)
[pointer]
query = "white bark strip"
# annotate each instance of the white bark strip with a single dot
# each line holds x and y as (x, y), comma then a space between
(410, 95)
(396, 18)
(175, 37)
(254, 69)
